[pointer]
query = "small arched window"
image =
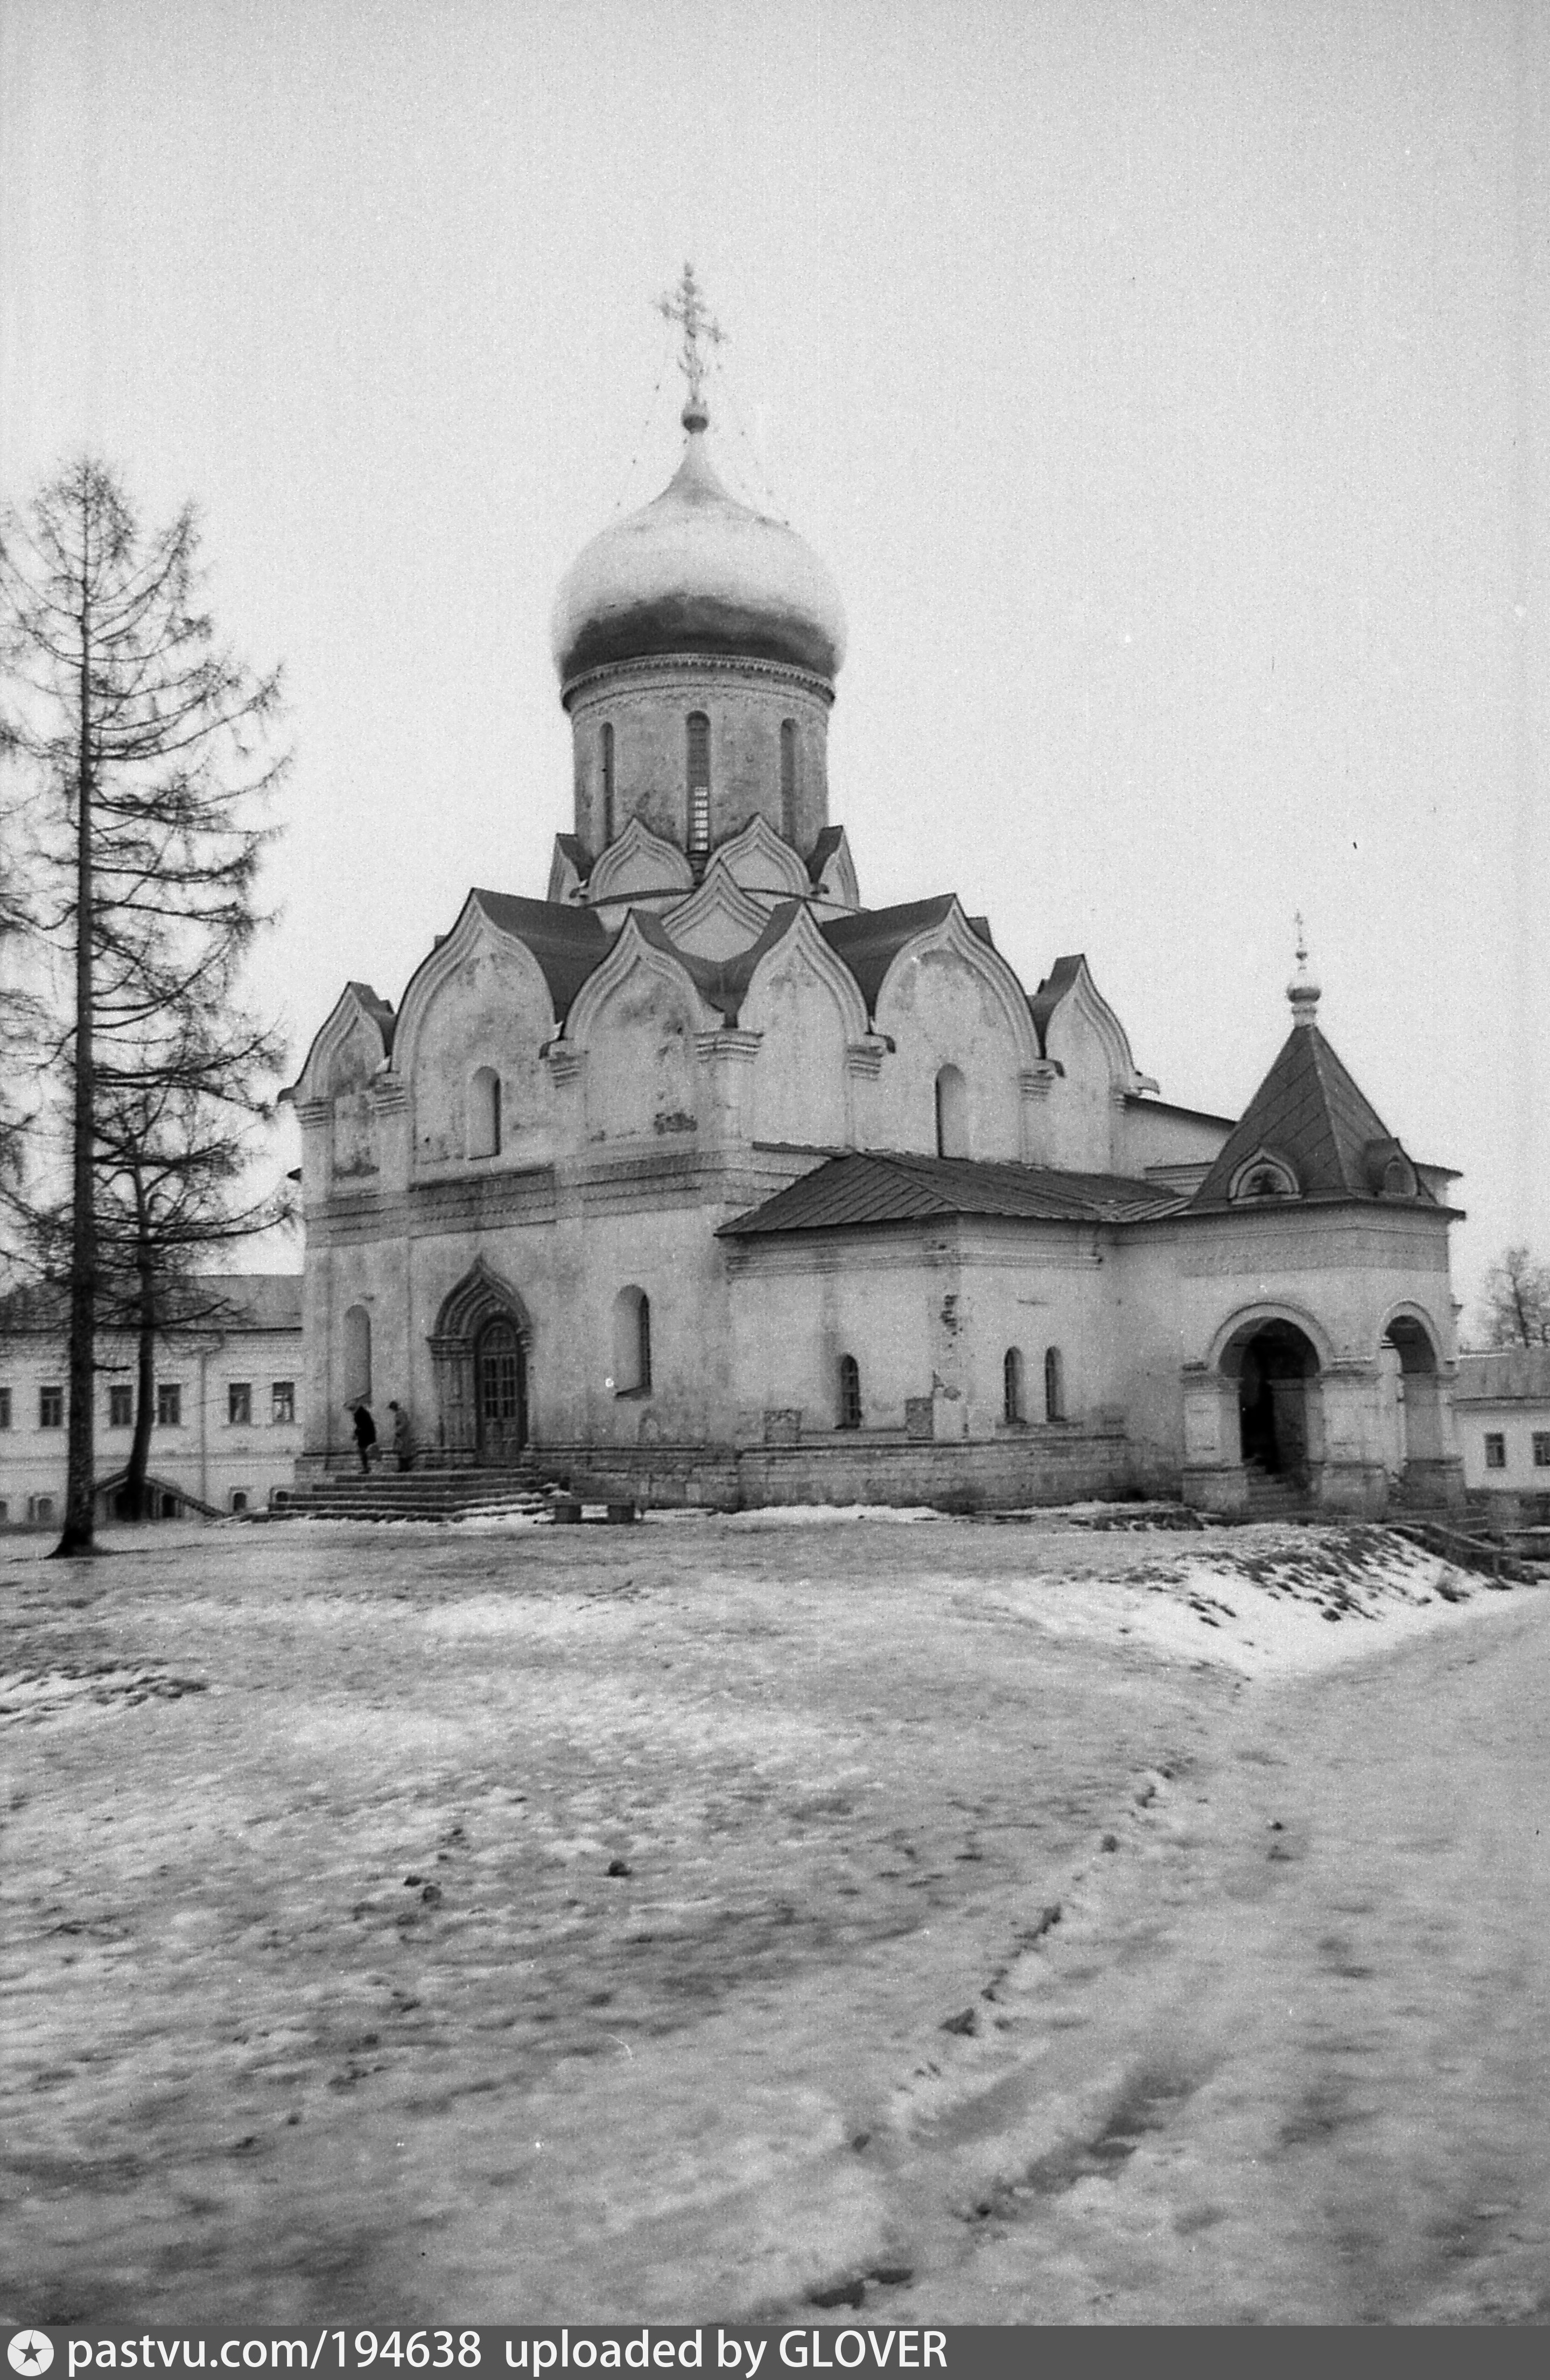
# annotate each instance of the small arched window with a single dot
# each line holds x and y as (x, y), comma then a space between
(952, 1113)
(697, 746)
(788, 779)
(1263, 1175)
(484, 1113)
(608, 780)
(1012, 1408)
(632, 1343)
(849, 1393)
(239, 1499)
(1054, 1385)
(356, 1351)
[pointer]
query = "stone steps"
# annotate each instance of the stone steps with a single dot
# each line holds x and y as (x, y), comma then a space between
(1272, 1495)
(529, 1489)
(424, 1495)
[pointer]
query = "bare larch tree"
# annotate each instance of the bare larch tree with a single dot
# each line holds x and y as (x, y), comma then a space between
(148, 750)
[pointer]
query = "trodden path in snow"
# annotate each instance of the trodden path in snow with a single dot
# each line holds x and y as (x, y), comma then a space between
(402, 1920)
(1288, 2058)
(702, 1920)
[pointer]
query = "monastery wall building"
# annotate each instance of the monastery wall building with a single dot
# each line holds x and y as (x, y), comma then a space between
(702, 1182)
(225, 1431)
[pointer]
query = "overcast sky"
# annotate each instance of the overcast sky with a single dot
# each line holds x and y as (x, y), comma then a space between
(1165, 383)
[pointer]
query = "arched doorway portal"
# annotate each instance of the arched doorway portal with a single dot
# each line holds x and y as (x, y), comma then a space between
(500, 1369)
(481, 1355)
(1274, 1365)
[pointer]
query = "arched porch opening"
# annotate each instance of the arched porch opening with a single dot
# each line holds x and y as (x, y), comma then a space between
(1275, 1366)
(1421, 1452)
(482, 1362)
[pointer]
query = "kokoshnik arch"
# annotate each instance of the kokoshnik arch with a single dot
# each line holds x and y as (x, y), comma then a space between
(706, 1181)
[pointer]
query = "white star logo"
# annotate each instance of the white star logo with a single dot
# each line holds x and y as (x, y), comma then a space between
(29, 2351)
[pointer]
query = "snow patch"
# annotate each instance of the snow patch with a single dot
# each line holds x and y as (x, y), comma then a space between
(802, 1516)
(1269, 1602)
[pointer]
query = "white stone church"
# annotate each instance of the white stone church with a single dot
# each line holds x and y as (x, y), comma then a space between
(698, 1181)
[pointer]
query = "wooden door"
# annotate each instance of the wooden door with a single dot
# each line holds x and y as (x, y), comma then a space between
(501, 1376)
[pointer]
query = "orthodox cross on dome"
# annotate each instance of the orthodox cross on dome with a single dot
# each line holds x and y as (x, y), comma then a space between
(1303, 990)
(688, 307)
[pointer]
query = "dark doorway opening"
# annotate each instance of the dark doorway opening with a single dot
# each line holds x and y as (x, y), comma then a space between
(500, 1372)
(1274, 1369)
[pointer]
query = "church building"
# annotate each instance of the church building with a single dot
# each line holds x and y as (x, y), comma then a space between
(698, 1181)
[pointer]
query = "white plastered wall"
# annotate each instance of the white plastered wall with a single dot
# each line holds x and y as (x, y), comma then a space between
(925, 1315)
(491, 1011)
(939, 1011)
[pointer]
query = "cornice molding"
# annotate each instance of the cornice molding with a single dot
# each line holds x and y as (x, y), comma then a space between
(728, 1041)
(669, 666)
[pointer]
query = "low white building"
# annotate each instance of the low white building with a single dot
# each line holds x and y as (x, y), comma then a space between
(1502, 1408)
(225, 1434)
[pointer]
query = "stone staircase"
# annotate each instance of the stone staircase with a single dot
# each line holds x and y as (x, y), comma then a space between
(1273, 1495)
(425, 1495)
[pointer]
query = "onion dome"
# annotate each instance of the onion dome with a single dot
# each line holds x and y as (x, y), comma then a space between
(1303, 990)
(697, 572)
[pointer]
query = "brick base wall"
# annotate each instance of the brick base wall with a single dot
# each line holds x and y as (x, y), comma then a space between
(968, 1476)
(856, 1467)
(1053, 1466)
(651, 1475)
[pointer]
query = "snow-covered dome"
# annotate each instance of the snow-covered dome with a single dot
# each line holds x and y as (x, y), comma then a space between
(698, 572)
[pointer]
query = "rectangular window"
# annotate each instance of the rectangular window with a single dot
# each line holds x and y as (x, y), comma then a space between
(121, 1409)
(1542, 1450)
(5, 1408)
(1496, 1450)
(240, 1404)
(169, 1405)
(50, 1408)
(282, 1400)
(698, 757)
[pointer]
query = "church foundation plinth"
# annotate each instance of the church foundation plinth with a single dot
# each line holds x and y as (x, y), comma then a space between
(1215, 1487)
(1434, 1483)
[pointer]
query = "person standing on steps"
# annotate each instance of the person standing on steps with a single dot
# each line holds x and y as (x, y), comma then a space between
(399, 1444)
(365, 1434)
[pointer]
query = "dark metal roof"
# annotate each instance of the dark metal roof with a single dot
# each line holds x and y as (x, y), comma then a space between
(567, 943)
(255, 1301)
(871, 940)
(215, 1301)
(575, 851)
(822, 853)
(1043, 1003)
(1146, 1105)
(721, 982)
(855, 1191)
(380, 1009)
(1497, 1374)
(1309, 1110)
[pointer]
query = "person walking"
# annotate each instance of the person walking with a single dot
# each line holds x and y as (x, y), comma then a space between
(365, 1434)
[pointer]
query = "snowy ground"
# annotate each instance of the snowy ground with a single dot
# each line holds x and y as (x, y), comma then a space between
(1011, 1924)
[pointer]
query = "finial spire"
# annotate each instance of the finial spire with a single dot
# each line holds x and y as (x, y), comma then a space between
(685, 307)
(1303, 990)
